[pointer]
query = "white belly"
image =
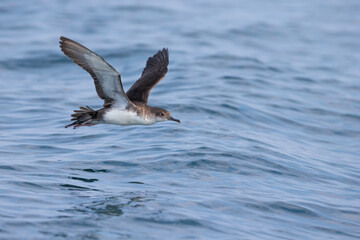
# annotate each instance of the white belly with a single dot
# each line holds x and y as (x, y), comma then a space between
(122, 117)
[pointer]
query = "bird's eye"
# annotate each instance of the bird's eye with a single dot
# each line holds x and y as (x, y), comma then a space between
(162, 114)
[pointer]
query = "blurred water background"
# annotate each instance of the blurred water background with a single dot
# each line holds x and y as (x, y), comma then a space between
(268, 93)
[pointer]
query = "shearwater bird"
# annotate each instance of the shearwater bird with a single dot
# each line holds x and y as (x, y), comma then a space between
(119, 108)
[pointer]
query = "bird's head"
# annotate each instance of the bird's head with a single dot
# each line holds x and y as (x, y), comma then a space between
(163, 115)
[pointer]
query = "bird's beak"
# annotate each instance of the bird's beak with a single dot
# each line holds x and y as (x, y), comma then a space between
(173, 119)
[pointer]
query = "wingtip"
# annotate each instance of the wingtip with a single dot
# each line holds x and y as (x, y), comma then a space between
(165, 53)
(165, 50)
(62, 41)
(162, 51)
(65, 40)
(62, 38)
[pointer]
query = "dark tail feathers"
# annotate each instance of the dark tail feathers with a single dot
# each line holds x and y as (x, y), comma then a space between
(83, 117)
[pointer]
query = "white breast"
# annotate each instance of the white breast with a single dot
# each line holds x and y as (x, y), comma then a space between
(123, 117)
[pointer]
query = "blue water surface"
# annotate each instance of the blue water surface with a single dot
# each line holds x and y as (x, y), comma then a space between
(268, 93)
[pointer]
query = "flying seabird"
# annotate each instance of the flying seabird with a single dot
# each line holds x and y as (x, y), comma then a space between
(119, 108)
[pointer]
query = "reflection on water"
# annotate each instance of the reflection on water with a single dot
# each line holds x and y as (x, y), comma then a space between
(110, 206)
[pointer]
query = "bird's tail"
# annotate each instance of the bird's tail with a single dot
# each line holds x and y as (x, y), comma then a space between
(83, 117)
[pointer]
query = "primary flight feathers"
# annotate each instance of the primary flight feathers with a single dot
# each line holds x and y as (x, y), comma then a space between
(154, 72)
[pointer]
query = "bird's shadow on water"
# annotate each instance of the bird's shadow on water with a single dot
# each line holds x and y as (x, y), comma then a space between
(103, 207)
(97, 202)
(95, 212)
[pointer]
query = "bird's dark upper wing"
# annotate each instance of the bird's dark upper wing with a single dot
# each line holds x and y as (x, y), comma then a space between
(107, 80)
(154, 71)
